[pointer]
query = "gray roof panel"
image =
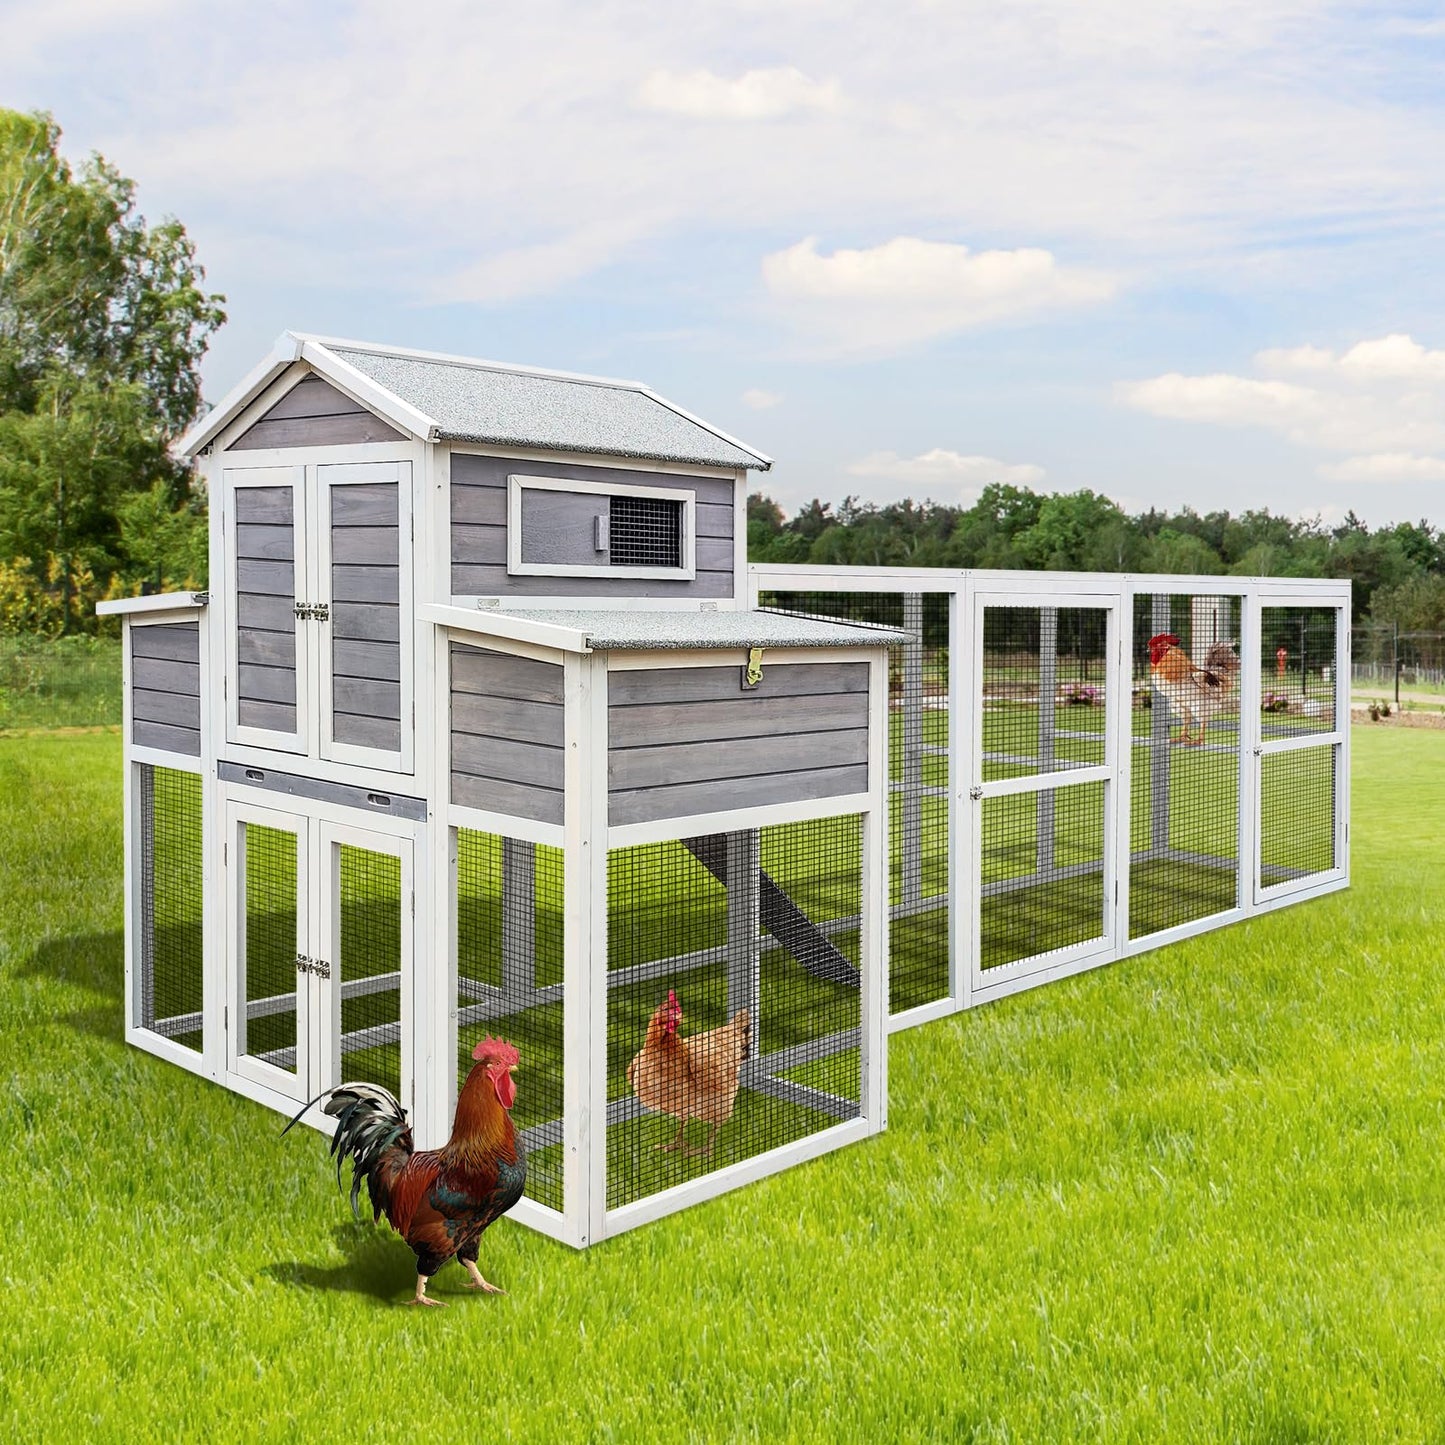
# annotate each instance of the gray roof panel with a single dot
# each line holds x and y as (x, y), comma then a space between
(554, 413)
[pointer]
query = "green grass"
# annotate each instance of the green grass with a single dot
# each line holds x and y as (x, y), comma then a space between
(51, 682)
(1196, 1196)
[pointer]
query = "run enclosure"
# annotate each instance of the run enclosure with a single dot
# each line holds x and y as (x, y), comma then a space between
(1045, 818)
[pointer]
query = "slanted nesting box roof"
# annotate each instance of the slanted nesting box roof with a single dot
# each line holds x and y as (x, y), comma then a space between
(455, 398)
(623, 630)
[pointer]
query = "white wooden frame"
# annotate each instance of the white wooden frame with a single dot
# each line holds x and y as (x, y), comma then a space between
(519, 483)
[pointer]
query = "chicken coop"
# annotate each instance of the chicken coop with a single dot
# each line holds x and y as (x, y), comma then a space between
(486, 726)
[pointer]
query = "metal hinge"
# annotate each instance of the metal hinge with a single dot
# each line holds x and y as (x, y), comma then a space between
(753, 672)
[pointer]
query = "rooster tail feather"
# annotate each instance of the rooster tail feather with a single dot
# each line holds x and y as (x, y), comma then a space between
(369, 1122)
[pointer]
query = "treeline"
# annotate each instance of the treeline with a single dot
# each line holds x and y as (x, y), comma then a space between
(1397, 572)
(103, 323)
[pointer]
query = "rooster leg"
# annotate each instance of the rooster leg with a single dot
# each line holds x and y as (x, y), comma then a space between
(676, 1142)
(419, 1298)
(706, 1148)
(478, 1282)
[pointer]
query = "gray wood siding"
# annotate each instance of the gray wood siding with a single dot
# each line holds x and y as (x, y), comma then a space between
(689, 740)
(314, 414)
(365, 630)
(506, 733)
(265, 592)
(165, 680)
(479, 532)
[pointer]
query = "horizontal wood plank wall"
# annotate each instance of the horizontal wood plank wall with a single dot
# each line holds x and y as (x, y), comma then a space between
(690, 740)
(314, 414)
(479, 533)
(265, 603)
(165, 679)
(506, 732)
(365, 629)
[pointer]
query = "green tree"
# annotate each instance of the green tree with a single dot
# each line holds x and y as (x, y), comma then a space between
(103, 323)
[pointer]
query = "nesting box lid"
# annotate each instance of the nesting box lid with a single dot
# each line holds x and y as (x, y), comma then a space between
(620, 630)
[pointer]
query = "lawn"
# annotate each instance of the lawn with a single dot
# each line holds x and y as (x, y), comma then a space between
(1199, 1195)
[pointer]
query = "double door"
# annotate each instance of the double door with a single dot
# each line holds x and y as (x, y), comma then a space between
(318, 590)
(320, 918)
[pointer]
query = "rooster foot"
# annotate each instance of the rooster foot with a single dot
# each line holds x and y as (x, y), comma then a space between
(419, 1298)
(477, 1282)
(695, 1149)
(677, 1141)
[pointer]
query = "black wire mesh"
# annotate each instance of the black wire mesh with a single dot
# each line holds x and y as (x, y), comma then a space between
(369, 966)
(918, 778)
(1184, 745)
(268, 1031)
(1042, 887)
(509, 984)
(755, 934)
(1044, 689)
(170, 975)
(1299, 671)
(1298, 793)
(644, 532)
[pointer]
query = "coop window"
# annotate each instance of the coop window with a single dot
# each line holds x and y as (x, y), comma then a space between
(576, 527)
(644, 532)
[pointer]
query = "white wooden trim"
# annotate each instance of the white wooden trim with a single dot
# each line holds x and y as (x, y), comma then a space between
(526, 830)
(663, 830)
(961, 813)
(185, 604)
(518, 483)
(159, 758)
(1268, 747)
(1164, 937)
(532, 1215)
(499, 602)
(503, 625)
(715, 471)
(651, 659)
(875, 912)
(924, 1013)
(375, 397)
(1040, 782)
(284, 354)
(1003, 980)
(168, 1049)
(741, 596)
(745, 1171)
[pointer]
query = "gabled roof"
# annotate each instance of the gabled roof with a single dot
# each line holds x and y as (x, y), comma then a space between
(455, 398)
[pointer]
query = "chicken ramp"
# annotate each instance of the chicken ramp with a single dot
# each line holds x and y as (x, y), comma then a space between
(780, 916)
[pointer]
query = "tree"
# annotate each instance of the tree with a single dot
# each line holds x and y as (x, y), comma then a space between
(103, 323)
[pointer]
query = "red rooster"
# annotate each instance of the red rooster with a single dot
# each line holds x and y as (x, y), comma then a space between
(438, 1200)
(1196, 693)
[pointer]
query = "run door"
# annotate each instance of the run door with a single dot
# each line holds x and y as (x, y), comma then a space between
(1043, 771)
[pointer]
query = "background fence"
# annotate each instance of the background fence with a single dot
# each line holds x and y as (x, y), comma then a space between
(1386, 660)
(58, 682)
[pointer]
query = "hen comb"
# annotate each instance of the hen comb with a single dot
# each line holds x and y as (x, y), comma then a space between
(672, 1001)
(1168, 637)
(497, 1051)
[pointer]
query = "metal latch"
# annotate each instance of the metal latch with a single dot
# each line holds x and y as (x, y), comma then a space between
(753, 672)
(321, 612)
(975, 792)
(319, 966)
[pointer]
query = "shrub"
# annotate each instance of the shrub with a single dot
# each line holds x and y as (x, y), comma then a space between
(1081, 694)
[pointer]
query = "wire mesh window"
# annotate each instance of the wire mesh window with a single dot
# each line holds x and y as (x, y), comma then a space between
(369, 966)
(918, 777)
(509, 984)
(1297, 812)
(1044, 689)
(734, 1009)
(644, 532)
(169, 976)
(1184, 750)
(1042, 889)
(1299, 671)
(268, 1031)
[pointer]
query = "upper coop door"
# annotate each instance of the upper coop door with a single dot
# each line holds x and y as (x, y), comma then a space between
(319, 588)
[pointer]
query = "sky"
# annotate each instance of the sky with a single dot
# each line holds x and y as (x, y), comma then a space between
(1179, 253)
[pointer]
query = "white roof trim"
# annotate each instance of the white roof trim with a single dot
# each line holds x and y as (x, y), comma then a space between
(384, 403)
(499, 624)
(156, 602)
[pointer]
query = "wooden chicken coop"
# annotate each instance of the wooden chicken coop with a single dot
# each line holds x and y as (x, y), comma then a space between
(486, 726)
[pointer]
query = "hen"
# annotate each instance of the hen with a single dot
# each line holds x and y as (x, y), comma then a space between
(1196, 693)
(438, 1200)
(693, 1078)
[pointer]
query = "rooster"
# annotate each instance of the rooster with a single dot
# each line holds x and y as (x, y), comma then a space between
(438, 1200)
(693, 1078)
(1196, 693)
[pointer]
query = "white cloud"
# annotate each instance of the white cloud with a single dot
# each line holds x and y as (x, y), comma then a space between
(1382, 401)
(754, 95)
(761, 400)
(1386, 467)
(942, 475)
(909, 290)
(534, 270)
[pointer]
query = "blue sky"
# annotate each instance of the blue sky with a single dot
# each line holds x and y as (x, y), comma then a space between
(1177, 252)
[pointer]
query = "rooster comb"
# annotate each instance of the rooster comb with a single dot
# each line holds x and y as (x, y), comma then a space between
(497, 1051)
(1168, 637)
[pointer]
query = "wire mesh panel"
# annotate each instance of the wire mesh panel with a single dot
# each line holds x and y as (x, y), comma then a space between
(1299, 671)
(1184, 746)
(644, 532)
(1042, 885)
(1298, 800)
(1045, 689)
(733, 1009)
(169, 968)
(918, 777)
(268, 1029)
(509, 983)
(369, 964)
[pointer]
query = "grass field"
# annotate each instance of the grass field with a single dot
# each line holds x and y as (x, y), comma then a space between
(1196, 1196)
